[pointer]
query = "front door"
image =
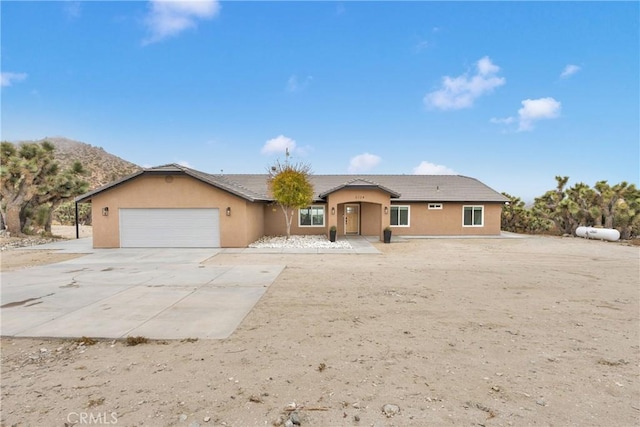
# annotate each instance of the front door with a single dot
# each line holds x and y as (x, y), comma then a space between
(352, 219)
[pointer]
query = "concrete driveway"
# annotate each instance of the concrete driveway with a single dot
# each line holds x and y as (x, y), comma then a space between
(115, 293)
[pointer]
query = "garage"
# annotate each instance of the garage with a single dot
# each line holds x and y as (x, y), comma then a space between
(169, 228)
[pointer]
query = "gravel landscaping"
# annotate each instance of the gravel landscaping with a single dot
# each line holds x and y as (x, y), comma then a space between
(317, 242)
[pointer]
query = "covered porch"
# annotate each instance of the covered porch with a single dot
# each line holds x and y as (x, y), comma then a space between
(359, 207)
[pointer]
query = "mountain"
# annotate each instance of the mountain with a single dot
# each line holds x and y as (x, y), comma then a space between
(103, 167)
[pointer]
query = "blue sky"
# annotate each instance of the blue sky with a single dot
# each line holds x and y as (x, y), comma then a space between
(510, 93)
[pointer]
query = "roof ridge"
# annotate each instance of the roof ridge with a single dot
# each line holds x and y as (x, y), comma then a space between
(413, 187)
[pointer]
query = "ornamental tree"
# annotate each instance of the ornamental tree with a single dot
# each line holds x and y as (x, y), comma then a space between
(291, 188)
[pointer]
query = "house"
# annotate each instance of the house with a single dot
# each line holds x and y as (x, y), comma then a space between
(175, 206)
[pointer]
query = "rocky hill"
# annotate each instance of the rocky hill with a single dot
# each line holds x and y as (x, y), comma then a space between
(103, 167)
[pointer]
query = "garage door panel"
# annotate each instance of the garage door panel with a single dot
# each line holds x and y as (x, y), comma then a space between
(162, 228)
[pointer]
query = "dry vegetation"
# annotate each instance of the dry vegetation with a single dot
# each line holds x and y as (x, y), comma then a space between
(102, 166)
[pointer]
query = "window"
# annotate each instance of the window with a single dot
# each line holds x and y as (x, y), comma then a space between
(472, 216)
(312, 216)
(400, 216)
(435, 205)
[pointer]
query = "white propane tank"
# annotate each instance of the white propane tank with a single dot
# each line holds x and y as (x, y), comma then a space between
(609, 234)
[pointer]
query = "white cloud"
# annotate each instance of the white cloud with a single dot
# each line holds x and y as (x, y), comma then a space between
(537, 109)
(167, 18)
(7, 79)
(427, 168)
(295, 85)
(503, 121)
(486, 67)
(279, 144)
(460, 92)
(363, 162)
(184, 163)
(569, 70)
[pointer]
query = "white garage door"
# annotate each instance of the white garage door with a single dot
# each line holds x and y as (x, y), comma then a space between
(169, 228)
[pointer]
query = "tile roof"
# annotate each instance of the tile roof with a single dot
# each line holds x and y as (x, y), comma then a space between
(402, 188)
(359, 183)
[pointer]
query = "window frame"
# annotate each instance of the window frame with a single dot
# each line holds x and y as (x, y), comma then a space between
(434, 206)
(473, 215)
(311, 208)
(398, 207)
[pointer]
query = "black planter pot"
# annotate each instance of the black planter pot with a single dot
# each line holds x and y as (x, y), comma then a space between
(332, 235)
(387, 236)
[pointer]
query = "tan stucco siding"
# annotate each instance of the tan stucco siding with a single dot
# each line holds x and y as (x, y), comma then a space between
(370, 215)
(370, 201)
(448, 220)
(146, 192)
(274, 222)
(254, 221)
(248, 221)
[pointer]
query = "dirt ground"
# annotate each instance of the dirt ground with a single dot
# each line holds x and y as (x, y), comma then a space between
(25, 258)
(464, 332)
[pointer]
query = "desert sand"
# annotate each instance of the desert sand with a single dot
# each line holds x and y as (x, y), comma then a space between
(484, 332)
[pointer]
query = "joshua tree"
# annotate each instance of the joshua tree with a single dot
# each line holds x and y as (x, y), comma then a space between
(31, 181)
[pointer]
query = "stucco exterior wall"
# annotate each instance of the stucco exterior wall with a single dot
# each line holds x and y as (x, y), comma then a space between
(370, 215)
(154, 191)
(448, 220)
(274, 223)
(370, 199)
(249, 221)
(254, 221)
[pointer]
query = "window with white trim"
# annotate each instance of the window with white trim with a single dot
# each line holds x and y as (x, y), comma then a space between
(435, 205)
(473, 216)
(313, 216)
(399, 216)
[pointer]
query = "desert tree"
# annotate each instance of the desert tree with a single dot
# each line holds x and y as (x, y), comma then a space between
(65, 214)
(553, 206)
(22, 169)
(291, 188)
(31, 182)
(607, 200)
(610, 206)
(580, 203)
(513, 215)
(517, 218)
(57, 189)
(627, 212)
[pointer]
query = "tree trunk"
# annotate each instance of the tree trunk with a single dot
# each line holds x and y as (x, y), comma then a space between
(287, 220)
(47, 224)
(14, 223)
(3, 221)
(625, 233)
